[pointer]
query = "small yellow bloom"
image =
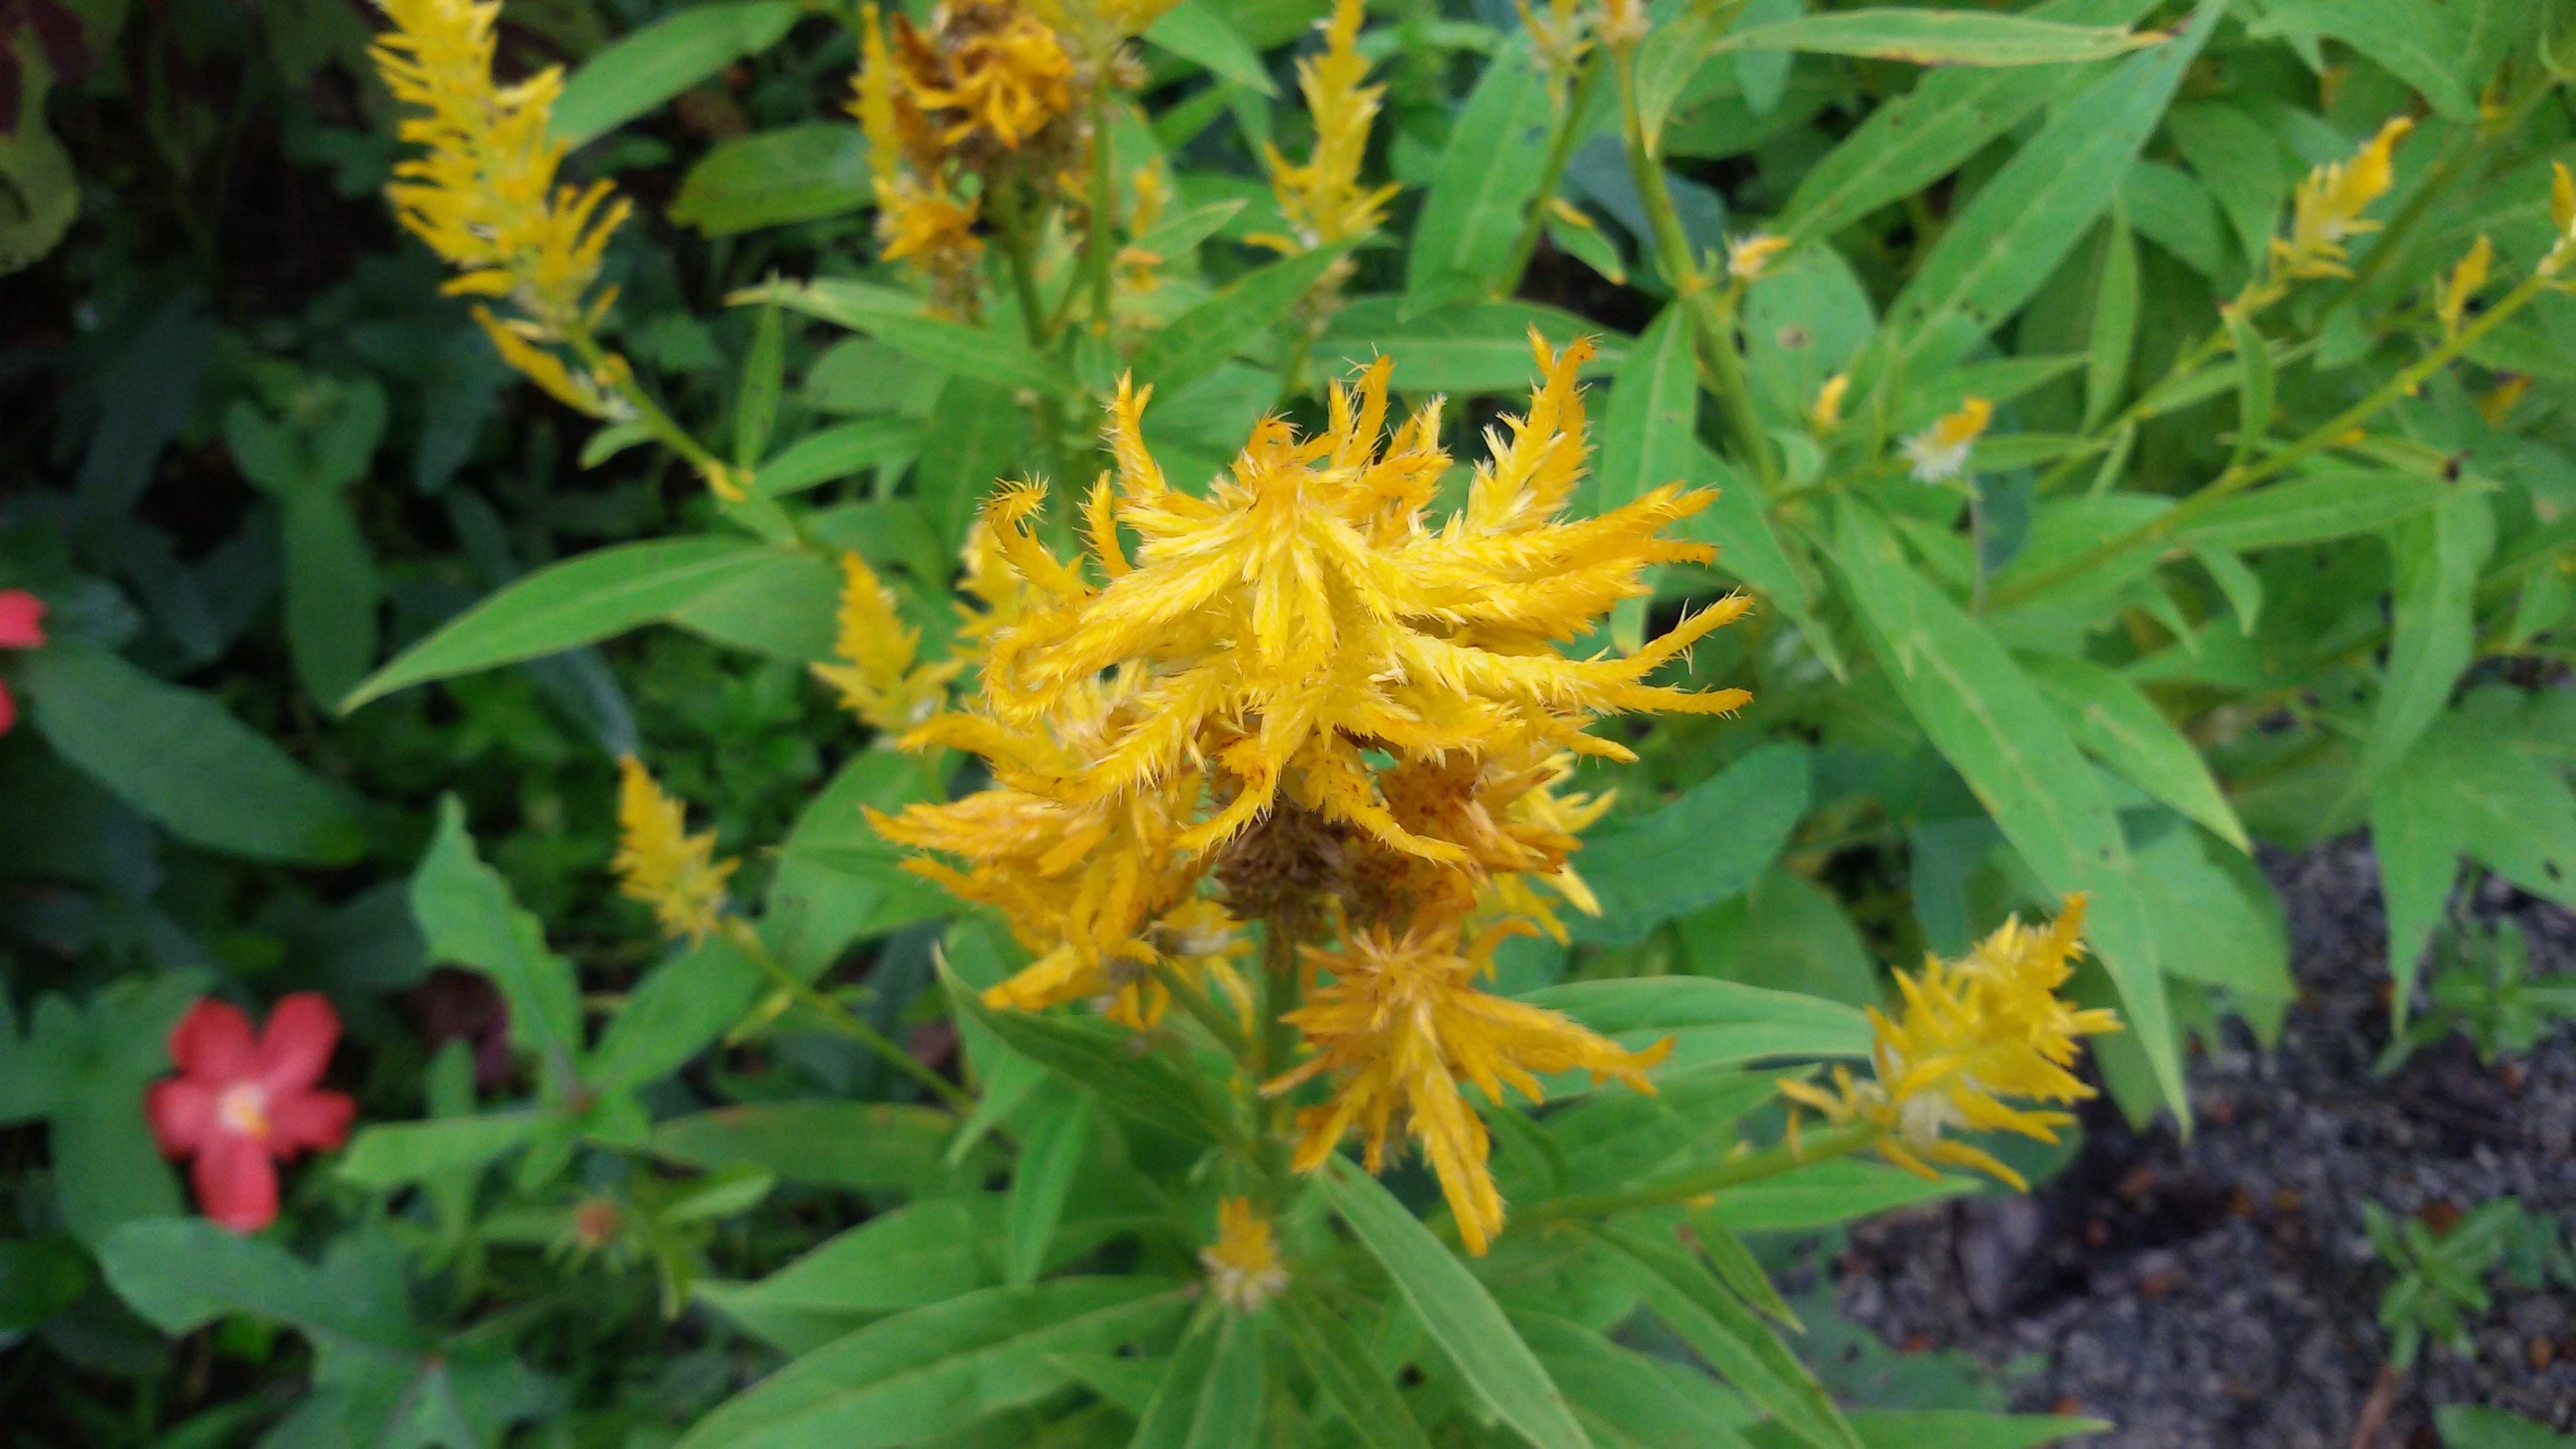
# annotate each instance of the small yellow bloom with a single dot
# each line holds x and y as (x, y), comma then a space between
(1558, 38)
(2499, 401)
(2464, 283)
(1399, 1024)
(2562, 214)
(1623, 23)
(1749, 257)
(877, 677)
(1323, 200)
(2328, 207)
(1975, 1032)
(1827, 414)
(990, 73)
(660, 864)
(1941, 451)
(1243, 1264)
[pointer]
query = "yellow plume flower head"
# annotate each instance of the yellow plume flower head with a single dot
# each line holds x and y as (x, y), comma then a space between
(876, 674)
(1749, 257)
(1398, 1023)
(1975, 1033)
(1243, 1265)
(1940, 452)
(2464, 283)
(2562, 215)
(660, 864)
(987, 77)
(1306, 612)
(1323, 199)
(2328, 208)
(1827, 413)
(481, 189)
(1623, 23)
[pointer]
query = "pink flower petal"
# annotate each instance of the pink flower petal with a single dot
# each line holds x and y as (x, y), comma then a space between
(309, 1121)
(295, 1046)
(22, 617)
(213, 1043)
(8, 709)
(181, 1112)
(236, 1183)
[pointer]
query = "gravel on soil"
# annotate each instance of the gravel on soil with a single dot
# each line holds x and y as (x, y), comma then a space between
(2220, 1291)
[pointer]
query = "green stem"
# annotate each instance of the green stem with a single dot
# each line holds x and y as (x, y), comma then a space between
(1768, 1162)
(1560, 149)
(1710, 312)
(1100, 251)
(847, 1022)
(2237, 479)
(1202, 1009)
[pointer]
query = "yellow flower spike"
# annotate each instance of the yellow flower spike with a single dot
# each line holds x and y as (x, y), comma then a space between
(991, 73)
(481, 189)
(1827, 413)
(1305, 611)
(2328, 207)
(876, 674)
(1322, 199)
(2463, 284)
(1974, 1035)
(1940, 452)
(1243, 1265)
(660, 864)
(1749, 258)
(1399, 1025)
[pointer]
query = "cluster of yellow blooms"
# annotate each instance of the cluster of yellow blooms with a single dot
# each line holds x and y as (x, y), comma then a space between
(2328, 207)
(661, 864)
(482, 193)
(1323, 200)
(1974, 1032)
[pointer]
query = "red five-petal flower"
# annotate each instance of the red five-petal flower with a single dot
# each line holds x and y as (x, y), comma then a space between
(241, 1105)
(22, 626)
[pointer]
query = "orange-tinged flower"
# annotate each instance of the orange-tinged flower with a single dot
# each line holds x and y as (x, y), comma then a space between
(660, 864)
(1243, 1265)
(1399, 1024)
(1941, 451)
(1974, 1033)
(1306, 612)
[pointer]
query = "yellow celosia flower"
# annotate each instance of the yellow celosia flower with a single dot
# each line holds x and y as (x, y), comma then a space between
(2464, 283)
(1749, 257)
(2328, 207)
(1398, 1025)
(1305, 612)
(1243, 1264)
(659, 863)
(482, 189)
(1827, 414)
(1513, 830)
(1974, 1033)
(990, 578)
(919, 220)
(1941, 451)
(1623, 23)
(989, 73)
(877, 677)
(1323, 200)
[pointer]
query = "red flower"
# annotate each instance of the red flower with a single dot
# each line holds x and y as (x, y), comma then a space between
(238, 1103)
(22, 626)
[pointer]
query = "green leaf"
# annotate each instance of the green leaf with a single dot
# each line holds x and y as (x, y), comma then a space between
(1965, 1429)
(1941, 37)
(97, 1063)
(2002, 736)
(579, 601)
(2468, 1426)
(2241, 936)
(2114, 331)
(1709, 845)
(683, 1004)
(332, 590)
(2240, 163)
(389, 1154)
(183, 760)
(976, 435)
(873, 1147)
(1463, 348)
(755, 400)
(915, 1256)
(644, 69)
(180, 1273)
(2421, 42)
(1649, 430)
(1210, 1394)
(1737, 1268)
(1193, 343)
(1455, 1309)
(38, 175)
(1743, 1350)
(1483, 185)
(2254, 385)
(2003, 245)
(2325, 505)
(808, 172)
(1712, 1020)
(1626, 1397)
(468, 917)
(1339, 1362)
(1051, 1153)
(842, 452)
(935, 1370)
(781, 606)
(1197, 32)
(2114, 722)
(837, 879)
(986, 354)
(1905, 145)
(1152, 1087)
(2432, 634)
(1826, 1193)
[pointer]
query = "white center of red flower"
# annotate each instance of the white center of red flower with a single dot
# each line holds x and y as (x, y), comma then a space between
(243, 1108)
